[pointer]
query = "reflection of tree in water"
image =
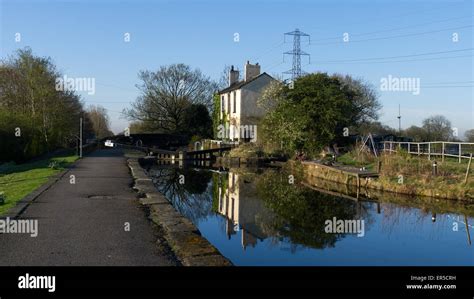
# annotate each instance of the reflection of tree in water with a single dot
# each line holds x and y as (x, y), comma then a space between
(193, 199)
(415, 217)
(300, 213)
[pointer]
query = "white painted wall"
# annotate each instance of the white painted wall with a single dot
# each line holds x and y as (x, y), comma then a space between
(247, 111)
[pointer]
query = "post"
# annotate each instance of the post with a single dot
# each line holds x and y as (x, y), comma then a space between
(442, 152)
(358, 186)
(409, 145)
(80, 137)
(418, 145)
(434, 170)
(459, 153)
(429, 150)
(384, 146)
(468, 168)
(467, 230)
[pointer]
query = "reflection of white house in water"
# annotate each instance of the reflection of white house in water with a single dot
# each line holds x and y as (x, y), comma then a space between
(244, 212)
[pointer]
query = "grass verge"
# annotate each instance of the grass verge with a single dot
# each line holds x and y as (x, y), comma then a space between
(17, 181)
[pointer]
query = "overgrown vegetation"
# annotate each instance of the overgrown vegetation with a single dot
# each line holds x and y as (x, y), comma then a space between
(358, 158)
(410, 174)
(216, 121)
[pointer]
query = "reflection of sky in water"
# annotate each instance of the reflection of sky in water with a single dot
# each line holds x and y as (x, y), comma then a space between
(398, 235)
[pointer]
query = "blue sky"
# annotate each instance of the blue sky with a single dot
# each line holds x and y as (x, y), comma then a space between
(86, 39)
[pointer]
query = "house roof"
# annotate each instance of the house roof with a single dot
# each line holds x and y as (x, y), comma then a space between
(240, 84)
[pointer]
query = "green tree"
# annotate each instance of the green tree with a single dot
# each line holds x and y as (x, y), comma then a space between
(197, 121)
(314, 112)
(48, 118)
(363, 97)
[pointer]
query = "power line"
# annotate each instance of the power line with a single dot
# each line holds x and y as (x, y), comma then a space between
(275, 65)
(394, 36)
(449, 86)
(272, 48)
(395, 29)
(452, 82)
(396, 61)
(398, 56)
(416, 12)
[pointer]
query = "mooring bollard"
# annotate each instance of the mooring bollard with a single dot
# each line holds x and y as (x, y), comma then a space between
(435, 168)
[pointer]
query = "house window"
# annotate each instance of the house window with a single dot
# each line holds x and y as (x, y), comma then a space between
(222, 103)
(235, 103)
(228, 103)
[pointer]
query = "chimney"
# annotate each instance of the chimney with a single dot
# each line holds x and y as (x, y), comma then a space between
(251, 71)
(233, 75)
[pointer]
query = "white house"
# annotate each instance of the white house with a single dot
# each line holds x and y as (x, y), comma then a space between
(239, 110)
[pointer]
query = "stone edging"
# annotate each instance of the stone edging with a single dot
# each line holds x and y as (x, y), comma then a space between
(181, 234)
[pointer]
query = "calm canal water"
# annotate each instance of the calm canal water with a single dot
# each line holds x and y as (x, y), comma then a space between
(258, 218)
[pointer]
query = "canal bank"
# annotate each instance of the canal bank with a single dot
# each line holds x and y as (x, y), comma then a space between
(184, 238)
(258, 217)
(399, 184)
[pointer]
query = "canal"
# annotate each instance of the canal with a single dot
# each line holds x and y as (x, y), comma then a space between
(262, 218)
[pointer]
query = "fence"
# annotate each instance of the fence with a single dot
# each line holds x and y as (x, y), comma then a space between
(460, 150)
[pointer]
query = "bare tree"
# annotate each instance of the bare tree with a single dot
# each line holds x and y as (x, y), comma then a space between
(469, 134)
(167, 93)
(224, 78)
(100, 121)
(437, 128)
